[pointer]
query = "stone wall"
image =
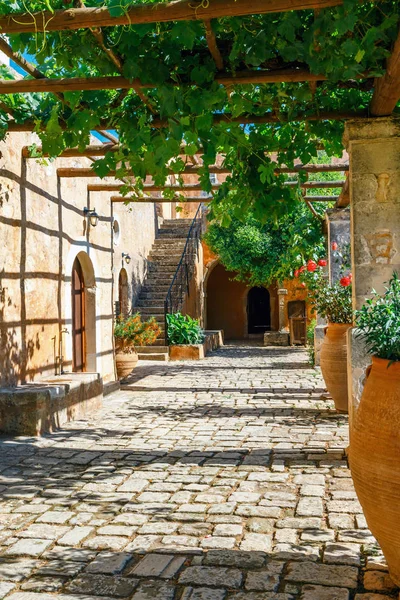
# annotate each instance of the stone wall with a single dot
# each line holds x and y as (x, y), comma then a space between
(42, 230)
(374, 150)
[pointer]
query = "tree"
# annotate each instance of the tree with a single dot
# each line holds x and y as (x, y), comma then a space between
(261, 253)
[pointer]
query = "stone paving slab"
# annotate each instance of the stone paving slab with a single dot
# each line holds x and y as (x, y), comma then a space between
(225, 480)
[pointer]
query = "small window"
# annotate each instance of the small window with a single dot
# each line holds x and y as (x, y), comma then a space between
(213, 178)
(116, 232)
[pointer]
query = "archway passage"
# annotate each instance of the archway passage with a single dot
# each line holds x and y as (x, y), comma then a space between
(78, 318)
(258, 310)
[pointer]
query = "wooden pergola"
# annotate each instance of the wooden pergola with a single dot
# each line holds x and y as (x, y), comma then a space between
(385, 95)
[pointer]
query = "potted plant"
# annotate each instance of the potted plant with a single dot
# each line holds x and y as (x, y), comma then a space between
(374, 436)
(182, 330)
(130, 332)
(332, 301)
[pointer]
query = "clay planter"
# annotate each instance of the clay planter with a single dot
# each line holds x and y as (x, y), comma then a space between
(334, 364)
(125, 364)
(374, 458)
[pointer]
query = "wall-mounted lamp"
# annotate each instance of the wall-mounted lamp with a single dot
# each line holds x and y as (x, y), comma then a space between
(91, 215)
(126, 258)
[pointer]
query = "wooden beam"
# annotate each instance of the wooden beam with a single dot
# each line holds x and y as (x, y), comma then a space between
(344, 197)
(316, 184)
(116, 82)
(387, 88)
(213, 46)
(155, 199)
(88, 172)
(95, 150)
(115, 187)
(314, 168)
(180, 10)
(14, 127)
(321, 198)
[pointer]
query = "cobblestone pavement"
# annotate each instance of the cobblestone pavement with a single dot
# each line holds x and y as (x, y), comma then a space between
(224, 479)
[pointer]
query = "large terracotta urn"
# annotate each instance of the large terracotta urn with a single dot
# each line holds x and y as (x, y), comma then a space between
(125, 364)
(375, 458)
(333, 363)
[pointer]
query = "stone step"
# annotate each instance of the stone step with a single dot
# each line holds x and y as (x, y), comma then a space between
(162, 357)
(146, 302)
(168, 233)
(152, 349)
(152, 310)
(177, 221)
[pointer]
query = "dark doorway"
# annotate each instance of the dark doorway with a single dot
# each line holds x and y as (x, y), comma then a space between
(258, 310)
(78, 318)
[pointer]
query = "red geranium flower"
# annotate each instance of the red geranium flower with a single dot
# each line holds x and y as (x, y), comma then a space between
(322, 262)
(311, 266)
(334, 246)
(296, 273)
(345, 281)
(303, 285)
(302, 269)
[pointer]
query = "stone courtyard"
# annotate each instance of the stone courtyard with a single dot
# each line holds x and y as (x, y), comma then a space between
(224, 479)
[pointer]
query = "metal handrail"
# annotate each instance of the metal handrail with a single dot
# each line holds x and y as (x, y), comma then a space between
(181, 280)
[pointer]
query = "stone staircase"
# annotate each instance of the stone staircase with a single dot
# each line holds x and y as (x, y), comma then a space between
(163, 260)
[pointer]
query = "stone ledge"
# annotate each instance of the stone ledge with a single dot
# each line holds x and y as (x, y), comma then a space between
(43, 407)
(212, 341)
(276, 338)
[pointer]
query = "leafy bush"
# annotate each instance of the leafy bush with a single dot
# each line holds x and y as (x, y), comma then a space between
(132, 331)
(262, 252)
(332, 301)
(182, 329)
(379, 321)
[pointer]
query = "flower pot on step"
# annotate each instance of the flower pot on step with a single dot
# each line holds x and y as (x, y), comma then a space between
(375, 458)
(334, 363)
(125, 364)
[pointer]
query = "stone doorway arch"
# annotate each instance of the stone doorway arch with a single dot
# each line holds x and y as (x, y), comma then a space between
(258, 310)
(83, 300)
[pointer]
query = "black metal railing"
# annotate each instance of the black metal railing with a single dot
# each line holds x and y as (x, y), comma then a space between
(180, 285)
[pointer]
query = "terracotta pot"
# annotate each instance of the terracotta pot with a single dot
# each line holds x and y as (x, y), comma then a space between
(375, 458)
(334, 364)
(125, 364)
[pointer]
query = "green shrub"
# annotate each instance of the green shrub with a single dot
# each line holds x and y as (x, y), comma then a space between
(182, 329)
(132, 331)
(378, 321)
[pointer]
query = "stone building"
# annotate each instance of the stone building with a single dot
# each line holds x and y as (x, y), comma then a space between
(56, 266)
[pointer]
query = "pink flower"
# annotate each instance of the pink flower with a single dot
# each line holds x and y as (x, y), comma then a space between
(345, 281)
(311, 266)
(322, 262)
(334, 246)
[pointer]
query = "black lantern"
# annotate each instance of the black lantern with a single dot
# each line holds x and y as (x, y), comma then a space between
(91, 215)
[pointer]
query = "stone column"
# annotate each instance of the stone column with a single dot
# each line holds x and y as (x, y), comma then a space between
(338, 230)
(338, 220)
(282, 292)
(374, 150)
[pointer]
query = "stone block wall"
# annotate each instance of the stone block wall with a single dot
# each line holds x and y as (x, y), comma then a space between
(42, 230)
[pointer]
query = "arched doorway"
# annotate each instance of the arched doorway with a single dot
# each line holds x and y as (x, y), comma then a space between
(78, 318)
(83, 301)
(123, 298)
(258, 310)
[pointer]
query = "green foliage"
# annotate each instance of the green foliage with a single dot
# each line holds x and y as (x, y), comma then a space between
(182, 329)
(379, 321)
(261, 253)
(132, 331)
(331, 301)
(339, 42)
(310, 346)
